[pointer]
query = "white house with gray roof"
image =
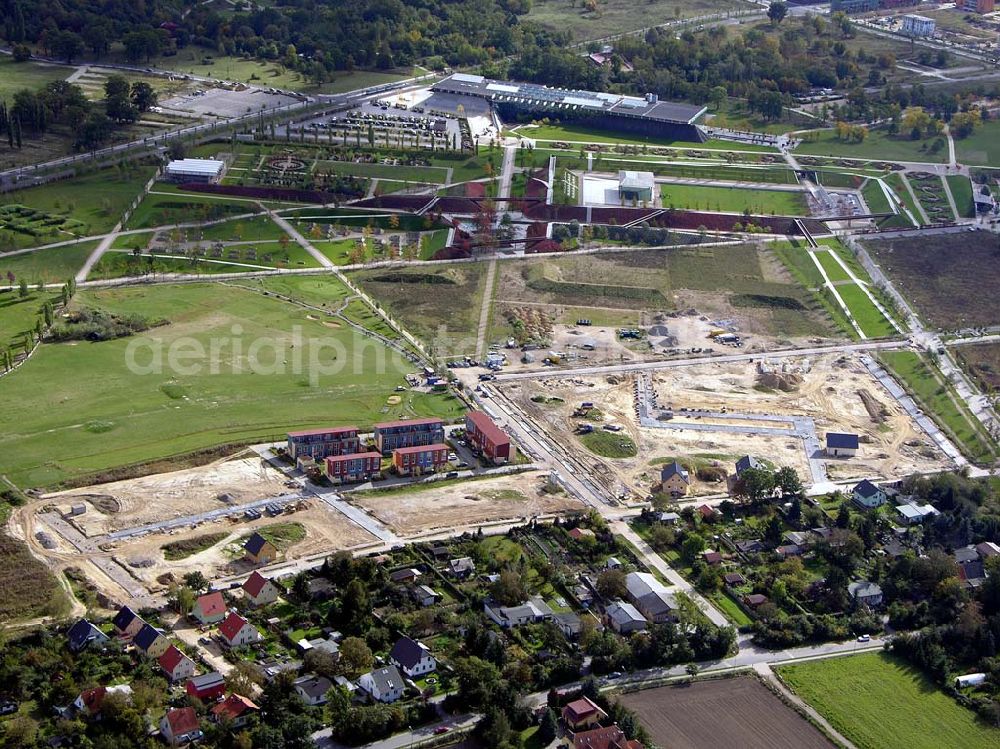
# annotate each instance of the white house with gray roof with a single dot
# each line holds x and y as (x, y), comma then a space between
(383, 684)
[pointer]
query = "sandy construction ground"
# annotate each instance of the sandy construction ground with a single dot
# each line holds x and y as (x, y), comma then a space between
(134, 502)
(829, 392)
(465, 503)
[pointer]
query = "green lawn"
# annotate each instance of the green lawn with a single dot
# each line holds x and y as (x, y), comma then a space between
(609, 444)
(867, 315)
(582, 134)
(982, 148)
(318, 291)
(52, 265)
(734, 200)
(880, 702)
(725, 603)
(423, 174)
(961, 191)
(256, 229)
(184, 208)
(17, 75)
(878, 146)
(93, 203)
(615, 16)
(833, 269)
(895, 181)
(875, 197)
(19, 315)
(938, 400)
(194, 402)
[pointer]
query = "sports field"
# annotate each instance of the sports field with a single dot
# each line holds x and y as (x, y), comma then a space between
(880, 702)
(79, 408)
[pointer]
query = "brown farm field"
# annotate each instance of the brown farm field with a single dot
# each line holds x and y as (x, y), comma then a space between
(722, 713)
(951, 279)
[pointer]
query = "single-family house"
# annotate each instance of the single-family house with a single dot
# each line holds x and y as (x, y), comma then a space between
(754, 600)
(749, 545)
(582, 713)
(127, 623)
(624, 618)
(237, 632)
(650, 597)
(674, 480)
(425, 595)
(383, 684)
(733, 579)
(150, 641)
(407, 575)
(840, 445)
(747, 461)
(867, 495)
(236, 710)
(865, 593)
(84, 634)
(462, 567)
(532, 611)
(328, 644)
(175, 664)
(206, 687)
(259, 550)
(312, 689)
(711, 556)
(90, 701)
(608, 737)
(970, 564)
(911, 513)
(569, 623)
(707, 512)
(412, 658)
(578, 534)
(790, 550)
(209, 608)
(320, 589)
(988, 549)
(799, 538)
(669, 517)
(259, 590)
(180, 726)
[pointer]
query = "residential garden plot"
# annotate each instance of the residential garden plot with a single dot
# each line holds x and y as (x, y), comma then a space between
(51, 265)
(880, 702)
(734, 200)
(739, 711)
(951, 279)
(939, 400)
(961, 191)
(878, 145)
(983, 361)
(440, 306)
(111, 413)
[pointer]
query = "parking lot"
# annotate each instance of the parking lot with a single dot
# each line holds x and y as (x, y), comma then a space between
(222, 102)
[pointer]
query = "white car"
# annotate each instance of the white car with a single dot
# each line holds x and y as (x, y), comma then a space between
(864, 638)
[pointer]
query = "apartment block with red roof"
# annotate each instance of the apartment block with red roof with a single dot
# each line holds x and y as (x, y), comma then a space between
(319, 443)
(486, 438)
(419, 459)
(392, 435)
(351, 469)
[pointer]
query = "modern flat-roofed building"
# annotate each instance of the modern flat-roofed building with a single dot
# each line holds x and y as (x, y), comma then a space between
(206, 171)
(349, 469)
(419, 459)
(486, 438)
(392, 435)
(636, 187)
(320, 443)
(646, 115)
(914, 25)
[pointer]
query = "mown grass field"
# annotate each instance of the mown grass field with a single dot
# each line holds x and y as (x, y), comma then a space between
(19, 315)
(879, 702)
(982, 148)
(938, 400)
(195, 401)
(609, 444)
(878, 146)
(581, 134)
(615, 16)
(872, 322)
(961, 192)
(833, 269)
(52, 265)
(734, 200)
(17, 75)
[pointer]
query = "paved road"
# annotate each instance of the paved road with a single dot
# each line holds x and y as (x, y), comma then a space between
(484, 312)
(651, 366)
(409, 738)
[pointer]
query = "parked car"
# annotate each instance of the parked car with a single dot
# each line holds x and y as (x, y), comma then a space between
(441, 729)
(864, 638)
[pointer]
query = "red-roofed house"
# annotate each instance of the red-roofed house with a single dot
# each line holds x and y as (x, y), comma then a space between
(611, 737)
(419, 459)
(90, 700)
(180, 726)
(582, 713)
(236, 709)
(486, 438)
(209, 608)
(206, 687)
(237, 631)
(175, 664)
(260, 590)
(707, 512)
